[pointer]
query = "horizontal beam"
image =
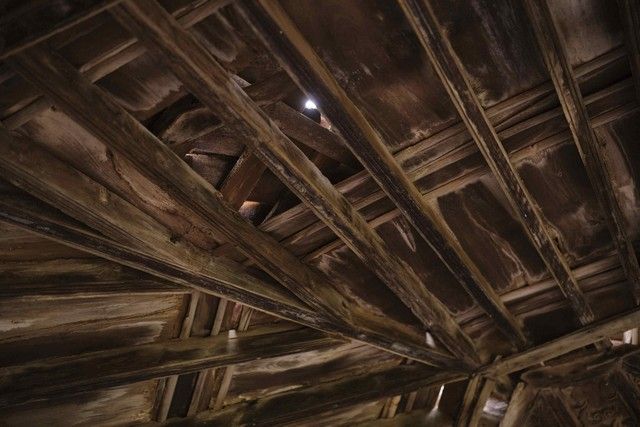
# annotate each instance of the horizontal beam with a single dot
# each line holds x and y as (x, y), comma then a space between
(84, 288)
(457, 83)
(597, 331)
(271, 23)
(215, 88)
(63, 376)
(294, 405)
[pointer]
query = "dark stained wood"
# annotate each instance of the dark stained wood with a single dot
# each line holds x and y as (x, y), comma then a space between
(519, 405)
(284, 40)
(107, 62)
(89, 288)
(565, 344)
(216, 276)
(16, 38)
(458, 86)
(116, 128)
(296, 404)
(110, 368)
(468, 401)
(202, 74)
(628, 391)
(630, 16)
(563, 414)
(594, 158)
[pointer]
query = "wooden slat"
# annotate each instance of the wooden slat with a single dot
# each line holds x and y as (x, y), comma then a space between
(210, 83)
(275, 28)
(294, 405)
(68, 190)
(33, 35)
(586, 335)
(63, 376)
(456, 81)
(100, 114)
(630, 16)
(594, 158)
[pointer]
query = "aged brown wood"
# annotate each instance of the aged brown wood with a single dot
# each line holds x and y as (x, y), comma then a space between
(96, 287)
(468, 401)
(202, 74)
(33, 36)
(630, 16)
(278, 32)
(627, 390)
(562, 345)
(556, 405)
(555, 57)
(294, 405)
(458, 86)
(519, 405)
(109, 368)
(48, 178)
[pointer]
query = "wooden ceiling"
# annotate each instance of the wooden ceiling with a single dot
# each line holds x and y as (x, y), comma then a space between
(449, 239)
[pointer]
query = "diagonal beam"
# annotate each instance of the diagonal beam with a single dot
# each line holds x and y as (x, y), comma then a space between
(210, 83)
(64, 376)
(291, 406)
(71, 192)
(594, 158)
(295, 54)
(456, 81)
(582, 337)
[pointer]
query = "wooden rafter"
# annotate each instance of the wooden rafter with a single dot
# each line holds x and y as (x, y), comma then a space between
(306, 402)
(210, 83)
(63, 376)
(582, 337)
(628, 391)
(46, 176)
(457, 84)
(284, 40)
(630, 16)
(594, 158)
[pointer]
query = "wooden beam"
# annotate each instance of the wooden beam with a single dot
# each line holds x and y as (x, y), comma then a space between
(556, 59)
(67, 189)
(294, 405)
(86, 288)
(457, 83)
(519, 405)
(630, 17)
(108, 121)
(627, 390)
(468, 401)
(275, 28)
(558, 408)
(590, 334)
(105, 63)
(63, 376)
(20, 38)
(210, 83)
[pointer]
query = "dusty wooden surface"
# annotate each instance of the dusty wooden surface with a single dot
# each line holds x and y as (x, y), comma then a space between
(182, 241)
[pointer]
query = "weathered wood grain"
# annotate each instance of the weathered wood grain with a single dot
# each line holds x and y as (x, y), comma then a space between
(296, 55)
(202, 74)
(458, 86)
(630, 16)
(291, 406)
(91, 371)
(594, 158)
(565, 344)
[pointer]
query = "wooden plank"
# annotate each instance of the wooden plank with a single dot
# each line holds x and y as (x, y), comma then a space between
(121, 132)
(519, 406)
(468, 401)
(627, 390)
(105, 63)
(586, 335)
(630, 16)
(456, 81)
(63, 376)
(559, 409)
(275, 28)
(594, 158)
(48, 177)
(22, 38)
(293, 405)
(210, 83)
(88, 288)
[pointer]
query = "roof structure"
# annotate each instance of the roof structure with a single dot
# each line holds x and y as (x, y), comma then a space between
(322, 213)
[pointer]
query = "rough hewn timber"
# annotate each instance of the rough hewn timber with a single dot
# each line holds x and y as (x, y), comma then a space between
(209, 82)
(562, 345)
(109, 368)
(630, 16)
(294, 405)
(296, 55)
(594, 158)
(456, 82)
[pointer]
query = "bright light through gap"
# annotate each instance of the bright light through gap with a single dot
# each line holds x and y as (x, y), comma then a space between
(310, 105)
